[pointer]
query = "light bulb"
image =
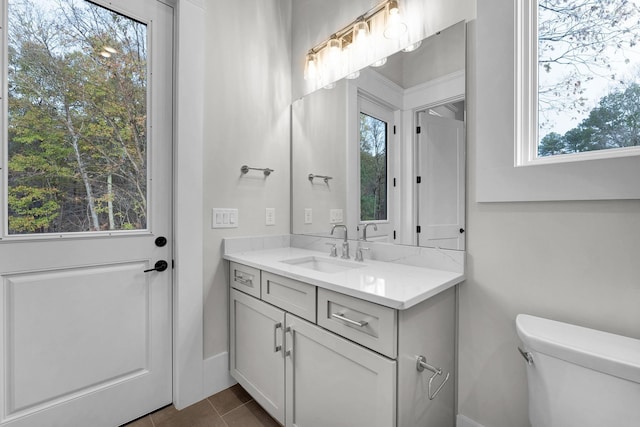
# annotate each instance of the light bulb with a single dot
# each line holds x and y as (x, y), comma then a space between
(395, 27)
(311, 67)
(353, 75)
(360, 33)
(334, 52)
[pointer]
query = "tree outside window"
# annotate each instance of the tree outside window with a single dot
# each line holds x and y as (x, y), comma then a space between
(77, 118)
(588, 75)
(373, 168)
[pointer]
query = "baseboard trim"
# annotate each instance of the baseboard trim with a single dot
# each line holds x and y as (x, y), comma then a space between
(216, 374)
(463, 421)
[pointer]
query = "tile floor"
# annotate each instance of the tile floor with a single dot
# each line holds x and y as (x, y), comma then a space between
(232, 407)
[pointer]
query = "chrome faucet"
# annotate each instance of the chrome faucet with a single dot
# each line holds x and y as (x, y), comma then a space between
(345, 243)
(364, 230)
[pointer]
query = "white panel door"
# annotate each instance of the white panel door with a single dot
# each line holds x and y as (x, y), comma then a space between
(85, 332)
(334, 382)
(441, 193)
(256, 354)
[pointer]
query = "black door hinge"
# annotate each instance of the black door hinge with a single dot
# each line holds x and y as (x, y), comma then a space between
(173, 264)
(394, 234)
(418, 129)
(418, 229)
(394, 182)
(419, 179)
(394, 129)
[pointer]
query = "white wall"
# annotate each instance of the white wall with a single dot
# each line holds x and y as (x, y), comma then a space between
(571, 261)
(246, 116)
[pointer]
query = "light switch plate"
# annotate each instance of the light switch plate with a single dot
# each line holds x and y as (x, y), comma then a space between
(270, 216)
(224, 218)
(336, 216)
(308, 216)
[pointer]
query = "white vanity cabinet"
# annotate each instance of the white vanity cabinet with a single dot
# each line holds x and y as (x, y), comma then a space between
(355, 367)
(256, 352)
(334, 382)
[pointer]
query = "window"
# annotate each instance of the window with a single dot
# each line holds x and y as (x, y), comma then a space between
(77, 119)
(374, 137)
(578, 80)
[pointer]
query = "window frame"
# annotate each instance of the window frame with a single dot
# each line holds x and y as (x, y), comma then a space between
(491, 79)
(526, 120)
(377, 110)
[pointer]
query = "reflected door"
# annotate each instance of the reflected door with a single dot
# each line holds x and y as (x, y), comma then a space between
(441, 192)
(85, 315)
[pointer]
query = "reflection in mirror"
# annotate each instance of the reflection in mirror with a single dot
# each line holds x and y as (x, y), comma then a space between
(392, 140)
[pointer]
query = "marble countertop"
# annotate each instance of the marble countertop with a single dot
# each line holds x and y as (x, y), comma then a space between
(393, 285)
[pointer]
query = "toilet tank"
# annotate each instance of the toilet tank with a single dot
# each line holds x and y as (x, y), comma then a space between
(580, 377)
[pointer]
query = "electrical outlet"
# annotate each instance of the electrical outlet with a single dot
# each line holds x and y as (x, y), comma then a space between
(270, 216)
(308, 216)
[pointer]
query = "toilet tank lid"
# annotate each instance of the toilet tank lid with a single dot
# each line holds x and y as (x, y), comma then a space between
(601, 351)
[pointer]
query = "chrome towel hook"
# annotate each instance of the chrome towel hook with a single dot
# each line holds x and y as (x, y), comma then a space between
(421, 365)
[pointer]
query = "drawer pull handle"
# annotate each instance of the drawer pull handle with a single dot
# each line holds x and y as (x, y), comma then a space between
(421, 365)
(361, 323)
(243, 281)
(276, 347)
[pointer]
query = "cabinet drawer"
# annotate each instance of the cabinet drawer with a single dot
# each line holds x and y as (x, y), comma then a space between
(245, 279)
(290, 295)
(366, 323)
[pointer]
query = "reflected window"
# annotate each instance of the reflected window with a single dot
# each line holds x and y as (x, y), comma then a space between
(373, 168)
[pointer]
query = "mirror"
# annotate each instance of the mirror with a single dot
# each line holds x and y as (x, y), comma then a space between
(386, 150)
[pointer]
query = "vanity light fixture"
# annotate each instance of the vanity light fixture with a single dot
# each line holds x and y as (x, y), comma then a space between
(334, 51)
(350, 45)
(395, 26)
(360, 32)
(311, 67)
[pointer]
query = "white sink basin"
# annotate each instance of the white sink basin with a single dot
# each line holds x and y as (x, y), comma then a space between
(324, 265)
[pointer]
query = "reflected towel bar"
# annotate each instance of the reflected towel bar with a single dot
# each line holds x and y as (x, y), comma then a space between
(326, 178)
(267, 171)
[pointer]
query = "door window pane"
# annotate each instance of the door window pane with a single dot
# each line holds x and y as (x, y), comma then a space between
(77, 118)
(373, 168)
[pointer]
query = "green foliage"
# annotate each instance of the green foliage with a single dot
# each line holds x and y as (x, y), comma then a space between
(76, 119)
(32, 209)
(614, 123)
(373, 169)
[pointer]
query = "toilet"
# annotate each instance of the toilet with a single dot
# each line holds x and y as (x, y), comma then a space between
(579, 377)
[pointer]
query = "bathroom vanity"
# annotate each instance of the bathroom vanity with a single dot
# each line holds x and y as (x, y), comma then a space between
(320, 341)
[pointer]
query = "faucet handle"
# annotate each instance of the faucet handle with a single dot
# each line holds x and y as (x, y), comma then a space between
(333, 251)
(359, 250)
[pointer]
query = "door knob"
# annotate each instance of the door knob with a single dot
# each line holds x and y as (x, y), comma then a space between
(159, 266)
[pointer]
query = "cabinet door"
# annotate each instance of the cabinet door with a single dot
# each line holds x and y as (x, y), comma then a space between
(334, 382)
(256, 351)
